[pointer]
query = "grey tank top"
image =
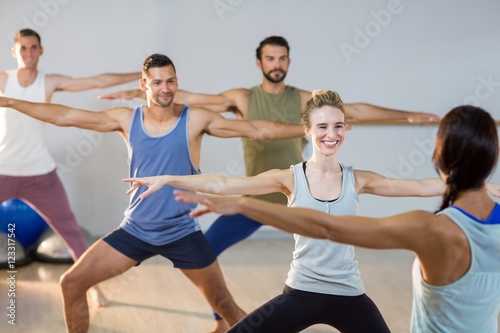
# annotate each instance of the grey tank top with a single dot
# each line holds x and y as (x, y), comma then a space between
(323, 266)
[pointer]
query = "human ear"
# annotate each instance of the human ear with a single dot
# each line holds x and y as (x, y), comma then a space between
(307, 130)
(259, 64)
(142, 83)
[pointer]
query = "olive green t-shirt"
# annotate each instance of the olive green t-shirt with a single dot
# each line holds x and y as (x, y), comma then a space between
(261, 156)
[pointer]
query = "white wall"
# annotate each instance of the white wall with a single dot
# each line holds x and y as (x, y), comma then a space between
(413, 55)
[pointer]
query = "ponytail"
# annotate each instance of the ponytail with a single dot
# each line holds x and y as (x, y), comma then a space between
(450, 193)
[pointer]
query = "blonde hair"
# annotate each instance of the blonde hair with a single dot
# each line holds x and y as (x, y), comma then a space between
(321, 98)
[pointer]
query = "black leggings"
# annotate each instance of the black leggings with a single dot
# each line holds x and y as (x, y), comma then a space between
(295, 310)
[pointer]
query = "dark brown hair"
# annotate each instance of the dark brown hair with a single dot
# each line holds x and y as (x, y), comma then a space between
(272, 40)
(27, 33)
(466, 150)
(156, 60)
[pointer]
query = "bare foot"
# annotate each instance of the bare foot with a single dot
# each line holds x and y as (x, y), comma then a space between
(97, 297)
(220, 326)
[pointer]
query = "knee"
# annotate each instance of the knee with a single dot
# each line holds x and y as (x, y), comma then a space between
(70, 284)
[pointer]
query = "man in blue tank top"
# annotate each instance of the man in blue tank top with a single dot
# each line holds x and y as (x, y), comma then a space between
(162, 137)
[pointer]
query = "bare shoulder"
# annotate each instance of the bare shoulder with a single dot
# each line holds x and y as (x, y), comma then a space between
(200, 111)
(441, 243)
(237, 92)
(366, 175)
(305, 93)
(425, 230)
(422, 219)
(284, 175)
(279, 173)
(362, 177)
(121, 116)
(119, 113)
(304, 97)
(240, 97)
(200, 117)
(52, 77)
(52, 81)
(444, 228)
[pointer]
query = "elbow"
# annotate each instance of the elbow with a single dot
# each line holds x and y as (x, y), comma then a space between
(263, 134)
(62, 119)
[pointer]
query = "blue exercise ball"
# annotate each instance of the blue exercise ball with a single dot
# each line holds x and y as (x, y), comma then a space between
(20, 219)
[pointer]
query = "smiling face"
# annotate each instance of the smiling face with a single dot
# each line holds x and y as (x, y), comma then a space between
(160, 84)
(326, 130)
(27, 50)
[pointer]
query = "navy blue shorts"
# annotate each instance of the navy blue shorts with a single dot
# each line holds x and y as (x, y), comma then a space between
(189, 252)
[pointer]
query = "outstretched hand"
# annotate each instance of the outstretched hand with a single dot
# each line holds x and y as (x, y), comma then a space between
(211, 204)
(153, 184)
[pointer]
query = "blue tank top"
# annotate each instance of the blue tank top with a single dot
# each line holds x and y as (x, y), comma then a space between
(472, 303)
(159, 219)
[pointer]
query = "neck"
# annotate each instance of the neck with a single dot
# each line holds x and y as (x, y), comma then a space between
(161, 113)
(23, 67)
(476, 202)
(26, 76)
(273, 88)
(324, 164)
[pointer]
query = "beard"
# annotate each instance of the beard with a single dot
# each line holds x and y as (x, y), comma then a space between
(164, 102)
(275, 79)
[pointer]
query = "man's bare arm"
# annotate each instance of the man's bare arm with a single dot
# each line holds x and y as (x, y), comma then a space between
(229, 101)
(216, 125)
(61, 115)
(365, 112)
(57, 82)
(125, 95)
